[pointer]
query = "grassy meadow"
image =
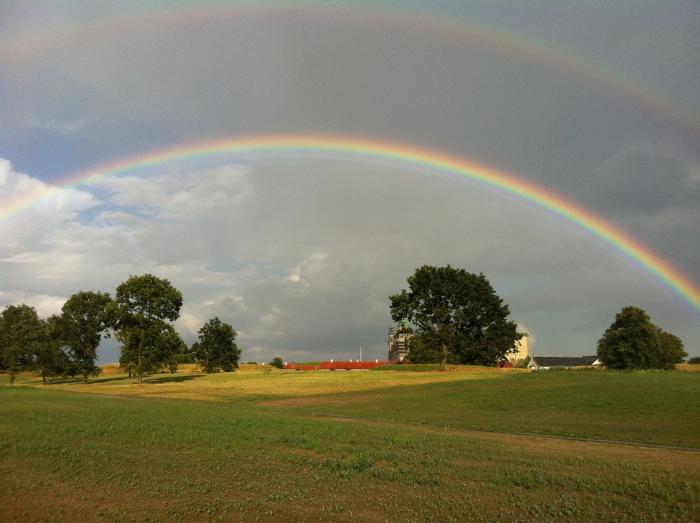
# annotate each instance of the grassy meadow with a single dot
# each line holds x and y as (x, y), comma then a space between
(367, 446)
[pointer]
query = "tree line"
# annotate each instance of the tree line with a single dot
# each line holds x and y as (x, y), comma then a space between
(140, 316)
(457, 317)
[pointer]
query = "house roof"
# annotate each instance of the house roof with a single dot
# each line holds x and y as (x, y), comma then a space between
(563, 361)
(589, 360)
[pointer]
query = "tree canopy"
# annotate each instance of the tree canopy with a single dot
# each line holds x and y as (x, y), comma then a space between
(458, 316)
(216, 348)
(633, 342)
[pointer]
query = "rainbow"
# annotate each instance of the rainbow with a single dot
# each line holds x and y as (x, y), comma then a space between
(397, 152)
(14, 46)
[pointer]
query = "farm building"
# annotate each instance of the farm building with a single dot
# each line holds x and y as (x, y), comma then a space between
(521, 353)
(562, 362)
(397, 341)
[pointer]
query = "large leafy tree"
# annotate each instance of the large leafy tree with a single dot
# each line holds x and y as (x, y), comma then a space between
(84, 320)
(143, 307)
(216, 348)
(22, 337)
(631, 342)
(458, 316)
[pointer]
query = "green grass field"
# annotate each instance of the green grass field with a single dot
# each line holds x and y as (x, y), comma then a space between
(261, 446)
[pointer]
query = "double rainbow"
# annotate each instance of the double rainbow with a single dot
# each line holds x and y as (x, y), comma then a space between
(397, 152)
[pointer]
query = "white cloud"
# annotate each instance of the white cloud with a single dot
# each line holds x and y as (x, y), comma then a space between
(307, 268)
(196, 191)
(45, 304)
(34, 212)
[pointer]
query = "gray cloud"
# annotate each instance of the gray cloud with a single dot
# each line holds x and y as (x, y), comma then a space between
(643, 181)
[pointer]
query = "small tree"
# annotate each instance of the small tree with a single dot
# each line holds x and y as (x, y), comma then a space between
(84, 320)
(22, 337)
(143, 305)
(51, 360)
(216, 348)
(672, 351)
(631, 342)
(522, 363)
(277, 362)
(173, 349)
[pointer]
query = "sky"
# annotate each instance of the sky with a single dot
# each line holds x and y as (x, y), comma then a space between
(596, 102)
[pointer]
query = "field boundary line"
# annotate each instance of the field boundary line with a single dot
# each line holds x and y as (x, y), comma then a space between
(435, 429)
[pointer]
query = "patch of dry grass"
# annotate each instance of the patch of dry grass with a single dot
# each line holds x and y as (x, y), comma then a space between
(686, 367)
(257, 382)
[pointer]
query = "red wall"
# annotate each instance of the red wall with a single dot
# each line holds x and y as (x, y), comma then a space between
(335, 365)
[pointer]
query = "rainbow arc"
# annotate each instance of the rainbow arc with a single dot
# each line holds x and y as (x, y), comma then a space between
(424, 159)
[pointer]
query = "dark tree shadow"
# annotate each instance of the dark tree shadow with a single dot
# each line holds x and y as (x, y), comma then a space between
(172, 378)
(75, 380)
(107, 379)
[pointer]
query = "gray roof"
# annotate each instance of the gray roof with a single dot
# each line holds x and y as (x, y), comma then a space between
(564, 361)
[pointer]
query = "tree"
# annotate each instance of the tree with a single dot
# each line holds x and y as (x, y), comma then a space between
(672, 351)
(84, 319)
(149, 350)
(142, 308)
(194, 349)
(459, 318)
(216, 348)
(50, 358)
(277, 362)
(22, 335)
(174, 351)
(631, 342)
(695, 360)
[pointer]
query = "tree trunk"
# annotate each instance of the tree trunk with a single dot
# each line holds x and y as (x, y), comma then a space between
(85, 375)
(43, 377)
(443, 363)
(140, 364)
(12, 377)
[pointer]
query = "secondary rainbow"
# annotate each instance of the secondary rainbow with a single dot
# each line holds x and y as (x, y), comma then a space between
(14, 45)
(387, 150)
